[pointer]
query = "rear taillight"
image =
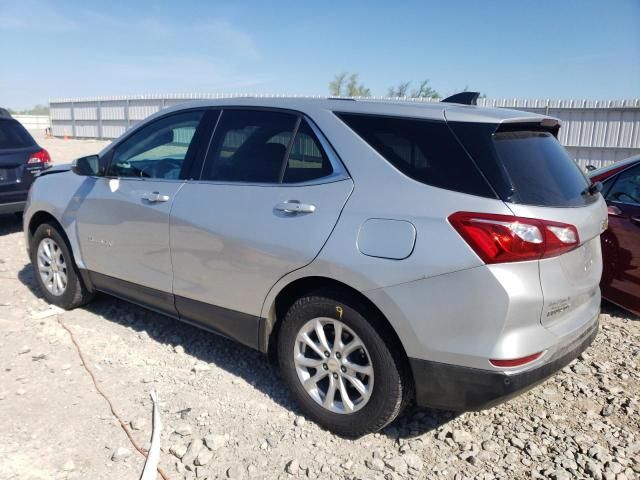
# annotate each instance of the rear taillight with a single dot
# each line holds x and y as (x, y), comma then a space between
(40, 157)
(507, 238)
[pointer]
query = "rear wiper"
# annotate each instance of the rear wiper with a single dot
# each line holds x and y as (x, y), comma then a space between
(592, 189)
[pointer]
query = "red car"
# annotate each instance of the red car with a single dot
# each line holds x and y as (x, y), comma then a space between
(621, 241)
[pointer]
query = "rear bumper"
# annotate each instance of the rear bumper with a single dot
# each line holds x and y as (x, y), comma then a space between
(452, 387)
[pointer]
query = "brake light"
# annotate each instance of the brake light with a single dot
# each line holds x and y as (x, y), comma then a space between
(515, 362)
(40, 157)
(507, 238)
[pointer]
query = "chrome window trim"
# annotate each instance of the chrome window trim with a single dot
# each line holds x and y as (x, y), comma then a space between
(142, 179)
(319, 181)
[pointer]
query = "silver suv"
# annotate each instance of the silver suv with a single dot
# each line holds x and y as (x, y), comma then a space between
(380, 252)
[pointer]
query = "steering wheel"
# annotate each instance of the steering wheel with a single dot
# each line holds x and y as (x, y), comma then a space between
(166, 166)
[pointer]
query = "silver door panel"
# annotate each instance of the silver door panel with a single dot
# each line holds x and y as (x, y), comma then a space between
(231, 243)
(124, 235)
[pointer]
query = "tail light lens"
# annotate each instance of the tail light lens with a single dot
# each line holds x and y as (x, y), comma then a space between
(41, 157)
(507, 238)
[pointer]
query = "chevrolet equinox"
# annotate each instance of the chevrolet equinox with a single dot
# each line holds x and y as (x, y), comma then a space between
(382, 252)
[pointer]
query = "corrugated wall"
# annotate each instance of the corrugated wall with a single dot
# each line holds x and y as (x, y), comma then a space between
(594, 132)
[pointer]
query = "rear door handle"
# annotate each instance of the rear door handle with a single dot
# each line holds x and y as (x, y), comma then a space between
(155, 197)
(294, 206)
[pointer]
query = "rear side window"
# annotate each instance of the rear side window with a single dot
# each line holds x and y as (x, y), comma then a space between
(249, 146)
(525, 164)
(426, 151)
(14, 135)
(307, 160)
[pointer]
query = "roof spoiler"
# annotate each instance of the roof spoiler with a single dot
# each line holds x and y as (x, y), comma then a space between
(464, 98)
(548, 124)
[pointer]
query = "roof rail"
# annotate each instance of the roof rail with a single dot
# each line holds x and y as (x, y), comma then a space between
(464, 98)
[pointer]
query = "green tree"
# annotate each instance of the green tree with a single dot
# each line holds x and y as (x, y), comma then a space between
(345, 85)
(423, 91)
(336, 86)
(37, 110)
(399, 91)
(355, 89)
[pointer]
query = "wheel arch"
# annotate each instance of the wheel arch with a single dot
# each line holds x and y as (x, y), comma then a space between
(40, 217)
(318, 284)
(43, 216)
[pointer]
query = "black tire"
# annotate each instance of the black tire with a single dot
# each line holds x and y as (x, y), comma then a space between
(75, 294)
(392, 386)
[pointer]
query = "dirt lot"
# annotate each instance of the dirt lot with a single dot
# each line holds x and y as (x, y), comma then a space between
(226, 406)
(64, 151)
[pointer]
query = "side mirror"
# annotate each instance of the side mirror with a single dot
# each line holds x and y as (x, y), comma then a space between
(88, 166)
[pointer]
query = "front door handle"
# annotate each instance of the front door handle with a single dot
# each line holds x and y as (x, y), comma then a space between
(155, 197)
(636, 220)
(294, 206)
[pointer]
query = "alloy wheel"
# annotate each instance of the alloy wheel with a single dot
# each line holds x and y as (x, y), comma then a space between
(333, 365)
(52, 267)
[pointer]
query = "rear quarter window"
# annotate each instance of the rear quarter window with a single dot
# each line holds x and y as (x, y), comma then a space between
(14, 135)
(424, 150)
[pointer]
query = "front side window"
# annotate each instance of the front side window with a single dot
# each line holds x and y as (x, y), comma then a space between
(249, 146)
(157, 150)
(626, 188)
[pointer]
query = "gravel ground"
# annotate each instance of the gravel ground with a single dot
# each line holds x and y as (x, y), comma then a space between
(226, 413)
(64, 151)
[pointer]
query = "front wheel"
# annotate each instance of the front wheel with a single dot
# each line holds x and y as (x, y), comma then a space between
(340, 371)
(55, 270)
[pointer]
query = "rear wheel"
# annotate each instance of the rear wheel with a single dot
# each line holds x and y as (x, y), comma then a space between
(55, 270)
(338, 368)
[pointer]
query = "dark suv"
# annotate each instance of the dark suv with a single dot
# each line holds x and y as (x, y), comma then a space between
(21, 158)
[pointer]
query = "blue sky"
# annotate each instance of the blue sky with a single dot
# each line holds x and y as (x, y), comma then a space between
(542, 48)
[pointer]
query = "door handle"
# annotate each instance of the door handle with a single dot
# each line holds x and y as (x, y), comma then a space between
(613, 210)
(635, 220)
(155, 197)
(294, 206)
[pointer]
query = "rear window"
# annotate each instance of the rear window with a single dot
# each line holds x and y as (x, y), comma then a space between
(527, 166)
(14, 135)
(424, 150)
